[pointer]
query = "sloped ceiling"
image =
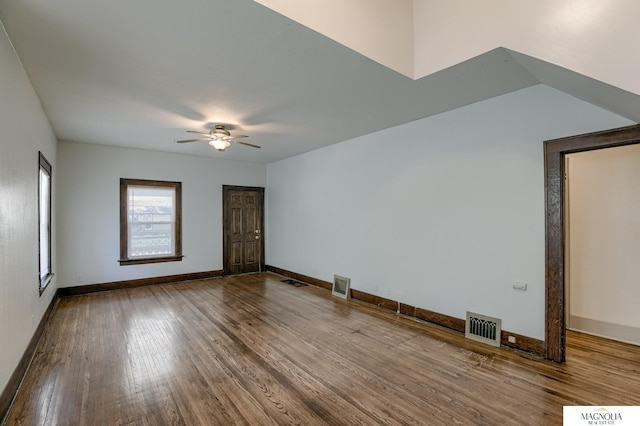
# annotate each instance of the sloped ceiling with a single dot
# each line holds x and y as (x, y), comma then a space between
(139, 74)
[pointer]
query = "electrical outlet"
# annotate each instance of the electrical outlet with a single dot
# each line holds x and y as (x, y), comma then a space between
(511, 339)
(518, 285)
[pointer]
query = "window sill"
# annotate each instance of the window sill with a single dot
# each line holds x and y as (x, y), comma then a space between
(124, 262)
(44, 282)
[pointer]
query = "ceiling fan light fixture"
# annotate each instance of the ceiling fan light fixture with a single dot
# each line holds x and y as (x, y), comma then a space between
(219, 144)
(218, 137)
(220, 131)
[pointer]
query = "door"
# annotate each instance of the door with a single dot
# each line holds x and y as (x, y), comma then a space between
(243, 231)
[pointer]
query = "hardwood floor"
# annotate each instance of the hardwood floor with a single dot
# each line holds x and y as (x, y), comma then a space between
(252, 350)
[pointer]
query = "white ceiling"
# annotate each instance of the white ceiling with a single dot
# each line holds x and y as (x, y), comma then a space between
(140, 73)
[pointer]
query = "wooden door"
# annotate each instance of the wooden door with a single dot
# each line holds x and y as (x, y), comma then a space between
(243, 230)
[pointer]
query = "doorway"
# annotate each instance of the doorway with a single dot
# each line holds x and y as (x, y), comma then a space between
(602, 223)
(243, 229)
(555, 225)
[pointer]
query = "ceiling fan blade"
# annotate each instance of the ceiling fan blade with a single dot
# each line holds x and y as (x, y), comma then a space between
(239, 136)
(200, 133)
(243, 143)
(193, 140)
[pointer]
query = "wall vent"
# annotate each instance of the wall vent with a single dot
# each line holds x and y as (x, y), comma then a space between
(294, 283)
(483, 329)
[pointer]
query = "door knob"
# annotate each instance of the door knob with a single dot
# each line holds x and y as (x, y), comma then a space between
(257, 237)
(257, 231)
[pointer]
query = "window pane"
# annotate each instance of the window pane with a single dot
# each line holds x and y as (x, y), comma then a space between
(150, 221)
(151, 215)
(156, 241)
(45, 271)
(44, 227)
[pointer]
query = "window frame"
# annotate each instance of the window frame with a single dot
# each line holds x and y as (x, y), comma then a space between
(124, 222)
(44, 166)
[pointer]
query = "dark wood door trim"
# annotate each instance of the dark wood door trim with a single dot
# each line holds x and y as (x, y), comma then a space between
(554, 152)
(225, 223)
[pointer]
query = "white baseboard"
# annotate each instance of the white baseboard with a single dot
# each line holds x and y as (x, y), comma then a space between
(622, 333)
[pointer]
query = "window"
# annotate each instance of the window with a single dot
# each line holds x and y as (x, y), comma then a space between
(150, 221)
(44, 222)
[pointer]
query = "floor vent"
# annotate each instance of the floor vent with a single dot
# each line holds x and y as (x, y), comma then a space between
(341, 287)
(294, 283)
(483, 329)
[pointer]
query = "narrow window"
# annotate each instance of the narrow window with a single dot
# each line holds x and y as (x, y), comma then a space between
(150, 221)
(44, 222)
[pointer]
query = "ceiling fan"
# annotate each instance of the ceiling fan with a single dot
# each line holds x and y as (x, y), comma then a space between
(219, 138)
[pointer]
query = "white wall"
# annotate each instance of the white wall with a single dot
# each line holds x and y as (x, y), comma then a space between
(591, 37)
(443, 213)
(88, 209)
(420, 37)
(604, 241)
(24, 130)
(381, 30)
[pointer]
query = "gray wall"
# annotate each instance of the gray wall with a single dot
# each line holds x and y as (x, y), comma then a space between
(443, 213)
(24, 130)
(88, 209)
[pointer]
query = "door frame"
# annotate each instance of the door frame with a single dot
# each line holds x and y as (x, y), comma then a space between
(225, 224)
(555, 224)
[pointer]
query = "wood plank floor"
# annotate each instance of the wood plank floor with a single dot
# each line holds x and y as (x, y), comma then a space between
(253, 350)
